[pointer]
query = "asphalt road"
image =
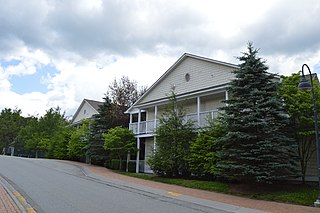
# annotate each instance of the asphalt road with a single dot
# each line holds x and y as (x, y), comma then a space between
(55, 186)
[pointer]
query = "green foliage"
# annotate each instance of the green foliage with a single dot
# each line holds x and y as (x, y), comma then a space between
(32, 138)
(257, 147)
(300, 195)
(11, 122)
(115, 165)
(121, 95)
(206, 150)
(174, 137)
(50, 133)
(295, 194)
(119, 141)
(78, 141)
(110, 116)
(299, 105)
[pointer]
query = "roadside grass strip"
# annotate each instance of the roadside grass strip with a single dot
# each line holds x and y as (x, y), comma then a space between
(294, 193)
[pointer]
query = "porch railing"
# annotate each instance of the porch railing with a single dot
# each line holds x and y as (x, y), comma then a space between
(149, 127)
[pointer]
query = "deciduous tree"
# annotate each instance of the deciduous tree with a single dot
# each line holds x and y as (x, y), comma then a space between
(11, 122)
(205, 151)
(78, 141)
(118, 142)
(174, 136)
(299, 106)
(125, 92)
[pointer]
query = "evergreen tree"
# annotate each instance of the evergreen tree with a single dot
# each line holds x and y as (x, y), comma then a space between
(174, 137)
(110, 115)
(257, 148)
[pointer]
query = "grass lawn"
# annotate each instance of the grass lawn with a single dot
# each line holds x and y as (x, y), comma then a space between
(286, 193)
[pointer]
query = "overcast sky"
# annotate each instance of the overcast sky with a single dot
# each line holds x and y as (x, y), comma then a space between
(58, 52)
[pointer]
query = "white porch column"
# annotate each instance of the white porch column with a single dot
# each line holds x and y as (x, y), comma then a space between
(147, 122)
(198, 110)
(138, 155)
(130, 122)
(155, 117)
(227, 96)
(138, 142)
(139, 121)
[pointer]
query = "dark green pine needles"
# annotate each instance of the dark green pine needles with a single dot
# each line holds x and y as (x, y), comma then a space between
(257, 146)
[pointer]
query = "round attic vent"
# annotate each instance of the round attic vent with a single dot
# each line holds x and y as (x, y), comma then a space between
(187, 77)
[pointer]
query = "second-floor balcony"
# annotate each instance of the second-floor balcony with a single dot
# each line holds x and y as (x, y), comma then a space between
(150, 126)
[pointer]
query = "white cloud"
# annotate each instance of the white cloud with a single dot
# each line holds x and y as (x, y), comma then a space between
(92, 42)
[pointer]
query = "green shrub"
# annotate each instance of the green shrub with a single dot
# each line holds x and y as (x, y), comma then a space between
(115, 165)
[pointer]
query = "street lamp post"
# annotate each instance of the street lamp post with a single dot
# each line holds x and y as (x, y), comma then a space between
(304, 85)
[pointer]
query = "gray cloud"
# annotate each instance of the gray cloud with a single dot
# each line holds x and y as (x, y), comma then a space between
(127, 27)
(122, 28)
(292, 27)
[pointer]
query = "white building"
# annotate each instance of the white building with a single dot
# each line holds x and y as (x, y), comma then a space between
(86, 110)
(200, 85)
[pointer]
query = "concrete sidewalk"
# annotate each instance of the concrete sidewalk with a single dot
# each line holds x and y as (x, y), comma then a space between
(267, 206)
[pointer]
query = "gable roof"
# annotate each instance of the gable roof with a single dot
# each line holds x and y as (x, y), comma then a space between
(92, 103)
(95, 104)
(173, 67)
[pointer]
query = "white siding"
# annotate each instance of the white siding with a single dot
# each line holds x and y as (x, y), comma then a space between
(86, 111)
(150, 114)
(203, 74)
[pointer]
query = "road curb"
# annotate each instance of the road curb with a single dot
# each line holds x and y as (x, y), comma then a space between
(17, 198)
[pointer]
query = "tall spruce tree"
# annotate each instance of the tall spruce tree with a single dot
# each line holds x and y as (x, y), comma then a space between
(257, 148)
